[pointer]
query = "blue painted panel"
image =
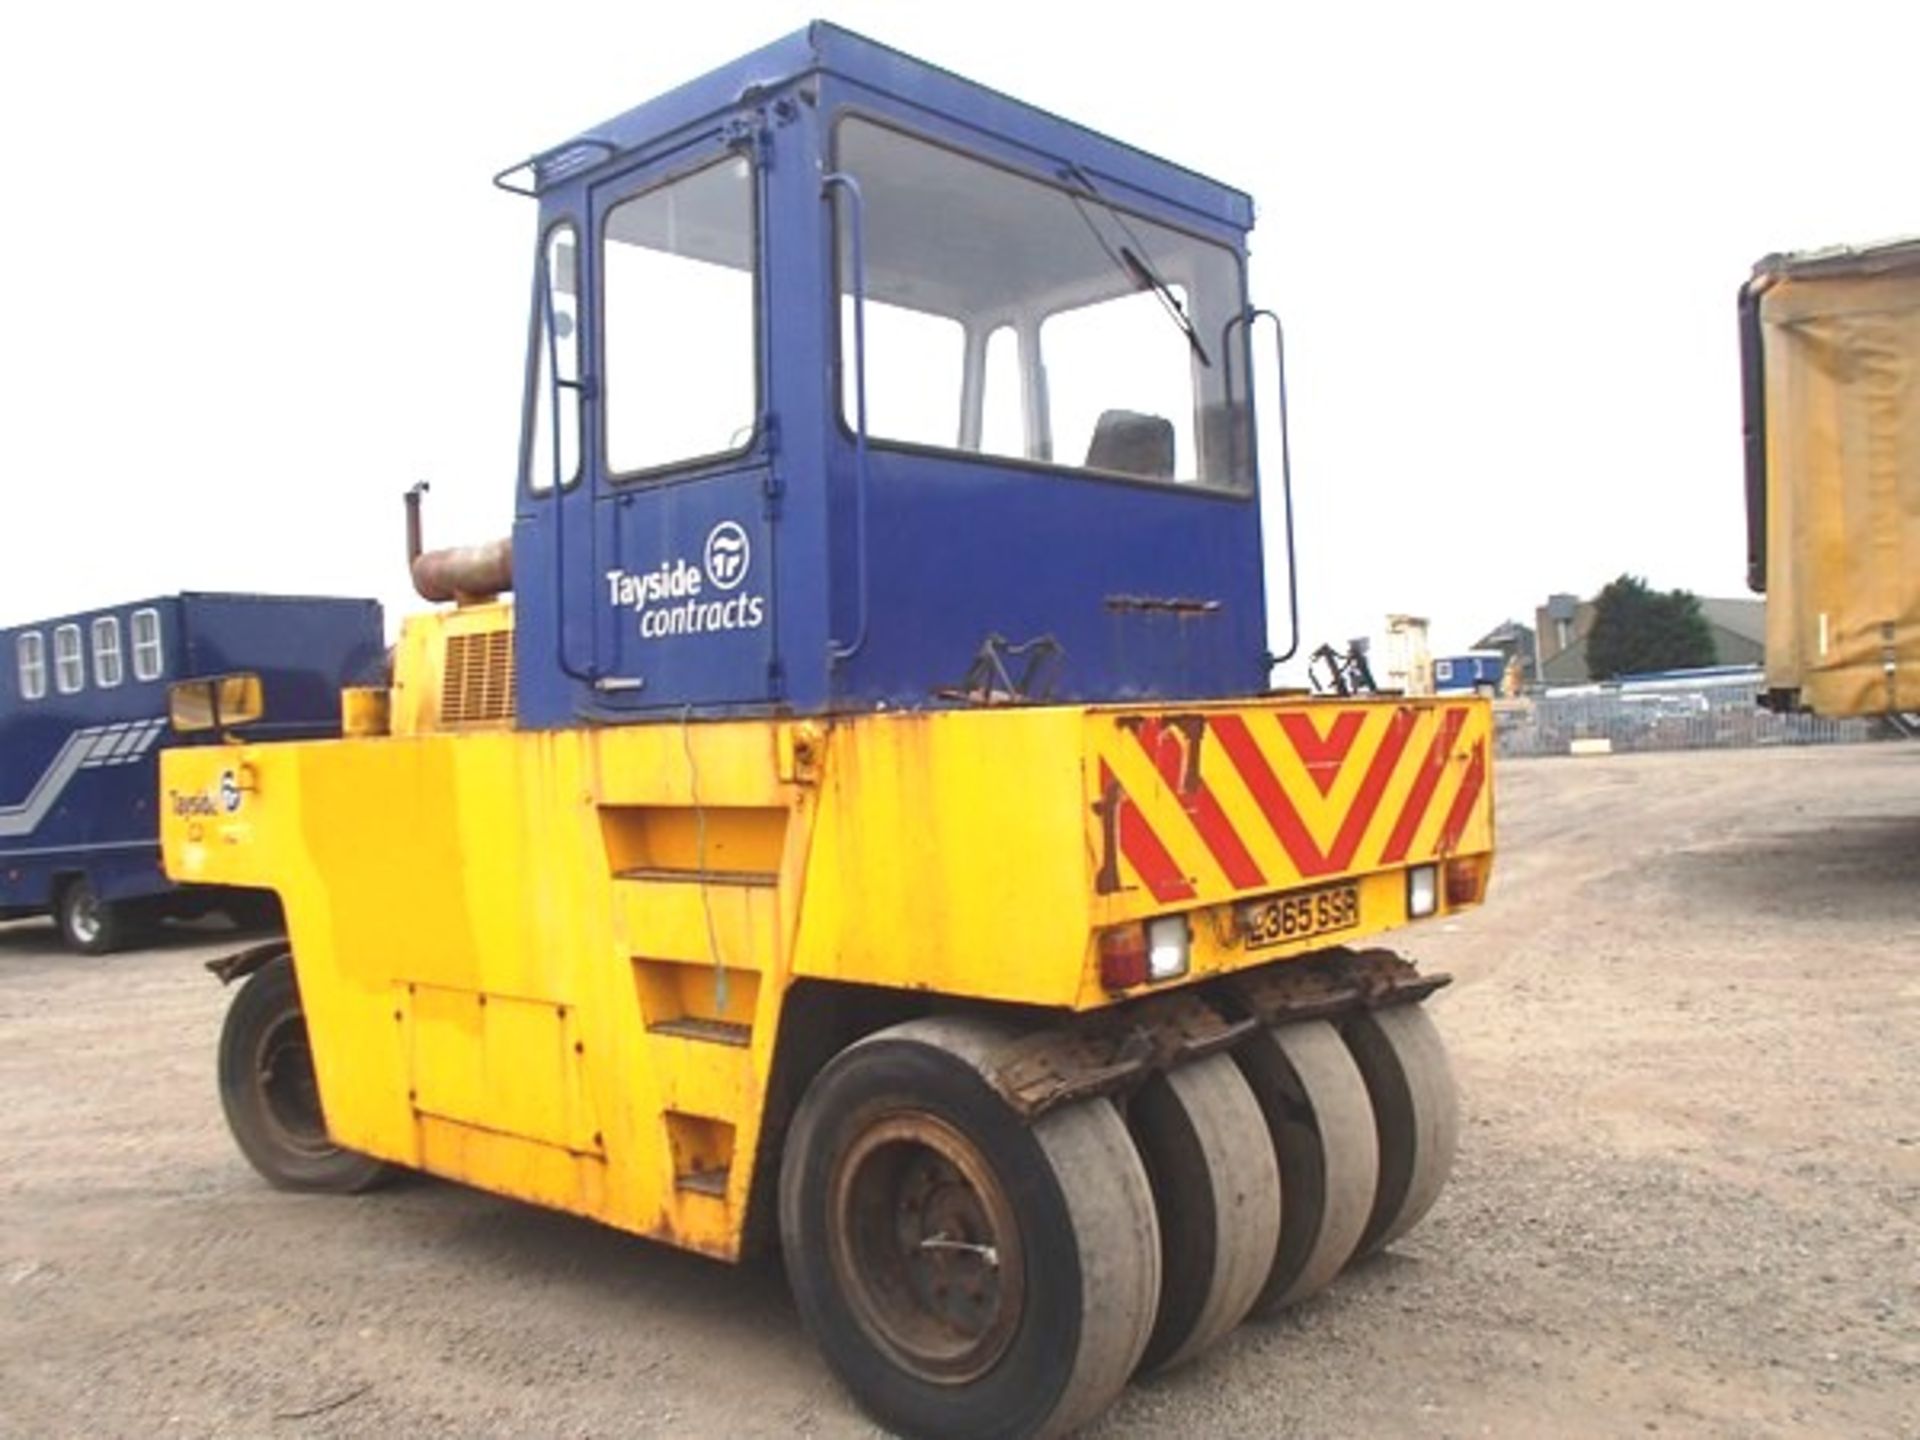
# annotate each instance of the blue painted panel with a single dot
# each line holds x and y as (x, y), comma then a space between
(960, 549)
(685, 592)
(304, 649)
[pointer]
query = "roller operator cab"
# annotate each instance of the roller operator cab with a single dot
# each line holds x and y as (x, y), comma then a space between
(867, 829)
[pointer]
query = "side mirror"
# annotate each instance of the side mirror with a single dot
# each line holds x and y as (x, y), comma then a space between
(215, 703)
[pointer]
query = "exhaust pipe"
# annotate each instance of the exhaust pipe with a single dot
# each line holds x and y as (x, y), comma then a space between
(460, 573)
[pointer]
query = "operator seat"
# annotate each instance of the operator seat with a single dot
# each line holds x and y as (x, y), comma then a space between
(1132, 444)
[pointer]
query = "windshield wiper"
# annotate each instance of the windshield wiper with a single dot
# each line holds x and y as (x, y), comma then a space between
(1133, 262)
(1149, 279)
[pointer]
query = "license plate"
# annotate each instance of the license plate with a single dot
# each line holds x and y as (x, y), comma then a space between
(1299, 916)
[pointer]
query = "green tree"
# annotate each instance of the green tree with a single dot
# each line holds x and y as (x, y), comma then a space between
(1637, 628)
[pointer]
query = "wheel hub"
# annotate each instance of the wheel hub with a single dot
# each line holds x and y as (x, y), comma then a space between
(926, 1248)
(84, 916)
(284, 1072)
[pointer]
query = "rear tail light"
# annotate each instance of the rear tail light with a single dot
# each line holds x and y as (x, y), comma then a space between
(1466, 881)
(1123, 957)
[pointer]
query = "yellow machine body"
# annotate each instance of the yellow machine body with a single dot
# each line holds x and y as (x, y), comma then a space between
(560, 965)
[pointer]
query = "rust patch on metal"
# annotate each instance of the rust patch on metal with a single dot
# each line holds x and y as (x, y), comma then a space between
(1330, 983)
(1162, 605)
(1111, 1052)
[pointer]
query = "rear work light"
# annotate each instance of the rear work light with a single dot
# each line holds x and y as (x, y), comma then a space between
(1423, 891)
(1141, 954)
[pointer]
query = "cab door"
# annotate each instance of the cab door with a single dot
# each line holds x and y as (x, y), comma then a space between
(677, 579)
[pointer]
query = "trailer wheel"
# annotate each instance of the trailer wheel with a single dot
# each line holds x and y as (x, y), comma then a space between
(271, 1096)
(87, 923)
(965, 1273)
(1404, 1062)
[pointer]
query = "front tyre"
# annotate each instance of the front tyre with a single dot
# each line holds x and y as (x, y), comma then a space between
(270, 1093)
(965, 1273)
(88, 924)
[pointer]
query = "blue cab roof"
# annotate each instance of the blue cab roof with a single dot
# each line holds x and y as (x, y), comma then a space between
(824, 48)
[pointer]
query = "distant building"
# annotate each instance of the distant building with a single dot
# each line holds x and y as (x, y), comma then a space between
(1738, 627)
(1514, 643)
(1560, 633)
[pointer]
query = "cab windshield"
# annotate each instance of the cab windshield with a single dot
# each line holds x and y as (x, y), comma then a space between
(1039, 322)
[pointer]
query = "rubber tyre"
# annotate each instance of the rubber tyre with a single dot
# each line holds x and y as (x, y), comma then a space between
(1321, 1120)
(1416, 1110)
(1216, 1186)
(88, 924)
(271, 1099)
(1089, 1250)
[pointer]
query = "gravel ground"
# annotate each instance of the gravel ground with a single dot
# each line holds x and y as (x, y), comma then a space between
(1687, 1032)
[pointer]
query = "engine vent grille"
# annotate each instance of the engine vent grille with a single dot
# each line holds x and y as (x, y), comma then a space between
(477, 688)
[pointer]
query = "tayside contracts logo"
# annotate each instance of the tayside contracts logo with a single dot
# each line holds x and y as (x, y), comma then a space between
(679, 598)
(209, 804)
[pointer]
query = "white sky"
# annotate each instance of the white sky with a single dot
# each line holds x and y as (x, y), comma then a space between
(259, 283)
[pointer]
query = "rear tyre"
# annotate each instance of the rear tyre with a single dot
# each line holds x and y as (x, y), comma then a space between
(964, 1273)
(271, 1096)
(87, 923)
(1321, 1120)
(1404, 1063)
(1216, 1187)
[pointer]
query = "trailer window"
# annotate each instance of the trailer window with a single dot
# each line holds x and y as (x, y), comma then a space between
(30, 652)
(107, 669)
(149, 659)
(677, 321)
(69, 664)
(1131, 354)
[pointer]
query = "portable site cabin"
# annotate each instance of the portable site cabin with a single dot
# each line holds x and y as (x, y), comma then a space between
(83, 717)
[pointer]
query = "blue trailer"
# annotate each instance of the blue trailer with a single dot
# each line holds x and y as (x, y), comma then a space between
(83, 718)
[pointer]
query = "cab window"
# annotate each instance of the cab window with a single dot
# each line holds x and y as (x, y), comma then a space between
(556, 352)
(678, 345)
(1011, 316)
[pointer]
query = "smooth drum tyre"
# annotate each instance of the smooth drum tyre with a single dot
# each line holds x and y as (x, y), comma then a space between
(87, 923)
(965, 1273)
(1321, 1118)
(271, 1096)
(1216, 1186)
(1404, 1062)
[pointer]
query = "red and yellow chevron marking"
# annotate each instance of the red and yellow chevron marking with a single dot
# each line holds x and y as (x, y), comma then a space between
(1202, 804)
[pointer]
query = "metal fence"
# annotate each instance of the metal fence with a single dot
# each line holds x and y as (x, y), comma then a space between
(1710, 717)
